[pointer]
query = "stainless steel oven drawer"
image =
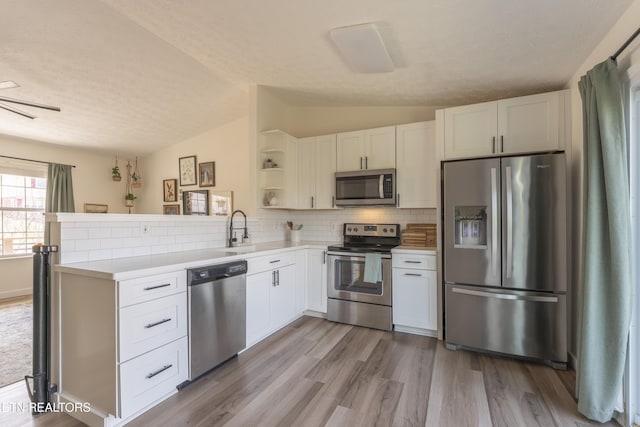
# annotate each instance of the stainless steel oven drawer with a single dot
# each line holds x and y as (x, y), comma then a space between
(360, 314)
(528, 324)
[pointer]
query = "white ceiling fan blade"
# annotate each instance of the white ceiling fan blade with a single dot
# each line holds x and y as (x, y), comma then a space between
(16, 111)
(29, 104)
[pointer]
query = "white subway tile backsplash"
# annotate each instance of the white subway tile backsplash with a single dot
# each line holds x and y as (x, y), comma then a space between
(84, 241)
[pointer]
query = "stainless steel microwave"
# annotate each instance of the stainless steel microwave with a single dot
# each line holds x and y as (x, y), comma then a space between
(366, 188)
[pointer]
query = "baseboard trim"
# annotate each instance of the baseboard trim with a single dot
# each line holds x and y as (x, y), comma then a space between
(15, 293)
(416, 331)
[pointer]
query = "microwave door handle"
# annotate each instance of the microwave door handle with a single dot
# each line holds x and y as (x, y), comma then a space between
(381, 186)
(494, 220)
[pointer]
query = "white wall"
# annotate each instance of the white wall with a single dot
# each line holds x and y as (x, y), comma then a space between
(227, 146)
(623, 29)
(314, 121)
(91, 184)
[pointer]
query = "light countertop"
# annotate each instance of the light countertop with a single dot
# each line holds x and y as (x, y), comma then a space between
(414, 249)
(147, 265)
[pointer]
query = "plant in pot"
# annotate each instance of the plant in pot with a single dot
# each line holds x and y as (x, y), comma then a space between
(115, 173)
(128, 199)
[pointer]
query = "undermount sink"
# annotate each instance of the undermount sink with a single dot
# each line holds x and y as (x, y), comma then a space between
(241, 249)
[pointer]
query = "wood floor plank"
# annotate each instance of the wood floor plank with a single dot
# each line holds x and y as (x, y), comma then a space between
(316, 373)
(457, 396)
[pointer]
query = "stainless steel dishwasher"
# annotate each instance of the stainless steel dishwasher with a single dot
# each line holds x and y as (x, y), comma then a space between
(217, 320)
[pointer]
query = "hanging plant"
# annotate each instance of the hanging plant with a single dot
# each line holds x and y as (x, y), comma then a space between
(115, 172)
(136, 178)
(128, 199)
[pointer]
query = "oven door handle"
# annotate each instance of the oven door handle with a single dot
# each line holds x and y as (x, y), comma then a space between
(337, 255)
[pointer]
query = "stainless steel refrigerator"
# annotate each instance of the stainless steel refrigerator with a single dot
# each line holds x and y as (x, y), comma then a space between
(505, 255)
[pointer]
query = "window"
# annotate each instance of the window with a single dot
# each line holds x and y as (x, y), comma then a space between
(22, 202)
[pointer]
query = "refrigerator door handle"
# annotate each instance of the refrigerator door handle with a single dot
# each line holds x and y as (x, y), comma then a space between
(494, 220)
(504, 296)
(509, 195)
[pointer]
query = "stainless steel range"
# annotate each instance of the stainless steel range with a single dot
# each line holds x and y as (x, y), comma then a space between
(359, 275)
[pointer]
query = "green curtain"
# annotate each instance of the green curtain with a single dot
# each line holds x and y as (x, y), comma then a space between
(59, 192)
(606, 297)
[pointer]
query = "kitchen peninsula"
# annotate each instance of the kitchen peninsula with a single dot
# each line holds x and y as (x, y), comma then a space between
(104, 307)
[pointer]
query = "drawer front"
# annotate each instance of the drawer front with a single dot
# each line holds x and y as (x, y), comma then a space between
(529, 324)
(271, 262)
(152, 376)
(135, 291)
(418, 261)
(144, 327)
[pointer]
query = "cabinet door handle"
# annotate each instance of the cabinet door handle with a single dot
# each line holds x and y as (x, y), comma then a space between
(360, 162)
(311, 201)
(408, 261)
(159, 322)
(324, 257)
(274, 261)
(273, 278)
(398, 201)
(493, 145)
(502, 143)
(153, 374)
(333, 201)
(277, 277)
(366, 162)
(150, 288)
(413, 274)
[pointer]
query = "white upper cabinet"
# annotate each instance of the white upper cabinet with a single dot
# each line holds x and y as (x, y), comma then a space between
(367, 149)
(470, 130)
(526, 124)
(316, 172)
(350, 151)
(417, 164)
(531, 123)
(325, 173)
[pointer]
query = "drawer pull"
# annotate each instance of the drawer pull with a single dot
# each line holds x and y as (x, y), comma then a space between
(413, 274)
(160, 322)
(274, 261)
(150, 288)
(412, 262)
(159, 371)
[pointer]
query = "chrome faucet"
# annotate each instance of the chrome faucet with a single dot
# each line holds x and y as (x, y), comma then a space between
(245, 234)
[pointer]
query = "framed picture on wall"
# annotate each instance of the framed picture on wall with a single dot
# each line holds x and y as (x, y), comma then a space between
(170, 190)
(207, 174)
(95, 208)
(221, 203)
(171, 209)
(195, 202)
(187, 166)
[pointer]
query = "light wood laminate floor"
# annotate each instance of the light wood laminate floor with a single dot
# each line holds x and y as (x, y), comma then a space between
(318, 373)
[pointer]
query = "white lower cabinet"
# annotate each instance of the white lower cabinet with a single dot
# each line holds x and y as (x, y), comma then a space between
(153, 375)
(271, 301)
(123, 344)
(415, 292)
(317, 280)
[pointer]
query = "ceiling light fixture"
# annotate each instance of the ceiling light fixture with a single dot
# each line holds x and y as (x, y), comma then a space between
(8, 84)
(362, 47)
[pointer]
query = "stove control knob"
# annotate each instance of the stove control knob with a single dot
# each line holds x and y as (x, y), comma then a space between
(384, 230)
(355, 229)
(348, 228)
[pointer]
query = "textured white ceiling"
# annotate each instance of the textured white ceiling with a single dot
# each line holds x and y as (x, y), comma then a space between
(134, 76)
